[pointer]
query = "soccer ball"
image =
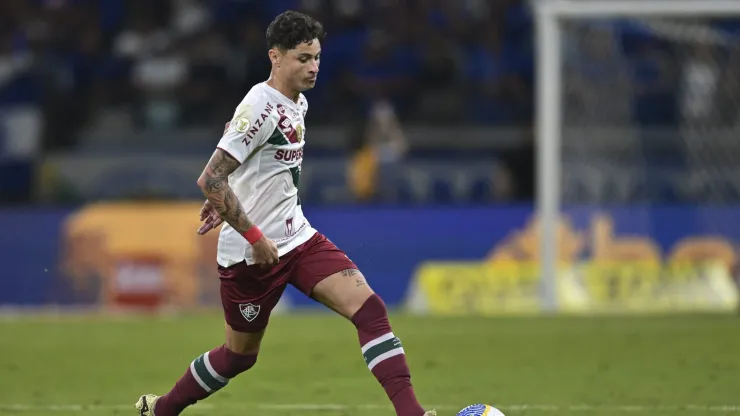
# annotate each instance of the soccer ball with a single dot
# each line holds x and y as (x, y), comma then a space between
(480, 410)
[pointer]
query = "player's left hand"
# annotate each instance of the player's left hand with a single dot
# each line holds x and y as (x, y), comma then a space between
(211, 217)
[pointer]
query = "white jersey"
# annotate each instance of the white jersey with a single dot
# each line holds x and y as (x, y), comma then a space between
(266, 135)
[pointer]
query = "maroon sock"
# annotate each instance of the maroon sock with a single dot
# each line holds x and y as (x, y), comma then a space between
(207, 374)
(385, 357)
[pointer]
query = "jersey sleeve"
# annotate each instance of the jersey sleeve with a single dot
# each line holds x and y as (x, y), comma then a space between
(248, 129)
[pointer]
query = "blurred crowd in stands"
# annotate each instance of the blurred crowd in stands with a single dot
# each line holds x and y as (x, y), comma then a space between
(73, 66)
(165, 63)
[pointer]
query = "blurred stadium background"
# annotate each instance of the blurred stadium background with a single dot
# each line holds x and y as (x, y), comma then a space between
(424, 162)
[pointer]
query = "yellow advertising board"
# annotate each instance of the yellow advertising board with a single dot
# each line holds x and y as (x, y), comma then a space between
(510, 287)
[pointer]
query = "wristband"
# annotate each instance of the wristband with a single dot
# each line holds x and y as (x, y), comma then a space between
(253, 234)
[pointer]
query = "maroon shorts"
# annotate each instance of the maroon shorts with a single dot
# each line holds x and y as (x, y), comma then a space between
(250, 293)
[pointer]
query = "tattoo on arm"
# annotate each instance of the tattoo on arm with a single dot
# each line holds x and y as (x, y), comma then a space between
(214, 182)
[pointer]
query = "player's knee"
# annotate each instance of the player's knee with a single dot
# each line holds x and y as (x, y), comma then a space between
(245, 343)
(372, 313)
(236, 363)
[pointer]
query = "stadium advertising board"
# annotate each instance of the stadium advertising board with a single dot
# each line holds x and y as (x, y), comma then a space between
(432, 260)
(622, 260)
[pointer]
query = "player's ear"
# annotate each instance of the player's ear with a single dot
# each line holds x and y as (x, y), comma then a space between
(275, 56)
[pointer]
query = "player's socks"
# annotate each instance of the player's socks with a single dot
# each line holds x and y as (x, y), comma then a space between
(207, 374)
(385, 357)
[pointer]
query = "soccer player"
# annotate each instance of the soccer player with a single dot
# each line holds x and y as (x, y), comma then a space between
(251, 183)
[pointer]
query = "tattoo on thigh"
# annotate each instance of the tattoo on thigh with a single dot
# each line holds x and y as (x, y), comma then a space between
(359, 280)
(349, 272)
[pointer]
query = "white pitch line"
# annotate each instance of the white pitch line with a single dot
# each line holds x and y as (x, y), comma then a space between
(75, 407)
(370, 407)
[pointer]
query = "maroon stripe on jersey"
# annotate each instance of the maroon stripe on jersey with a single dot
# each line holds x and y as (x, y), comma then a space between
(286, 126)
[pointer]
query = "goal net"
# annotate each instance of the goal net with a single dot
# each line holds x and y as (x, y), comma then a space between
(639, 154)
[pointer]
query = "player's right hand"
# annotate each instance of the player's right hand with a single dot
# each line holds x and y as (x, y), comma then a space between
(210, 218)
(265, 252)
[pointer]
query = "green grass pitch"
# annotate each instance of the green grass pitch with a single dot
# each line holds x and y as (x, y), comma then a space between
(311, 365)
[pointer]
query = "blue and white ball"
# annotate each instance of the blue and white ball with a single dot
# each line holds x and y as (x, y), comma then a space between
(480, 410)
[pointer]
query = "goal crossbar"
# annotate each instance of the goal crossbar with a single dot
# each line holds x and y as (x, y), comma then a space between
(643, 8)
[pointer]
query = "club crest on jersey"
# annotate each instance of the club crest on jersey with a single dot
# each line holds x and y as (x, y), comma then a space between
(301, 132)
(249, 311)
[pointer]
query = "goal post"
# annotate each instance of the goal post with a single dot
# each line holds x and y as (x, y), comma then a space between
(588, 136)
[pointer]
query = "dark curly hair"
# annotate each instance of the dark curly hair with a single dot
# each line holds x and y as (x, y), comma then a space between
(289, 29)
